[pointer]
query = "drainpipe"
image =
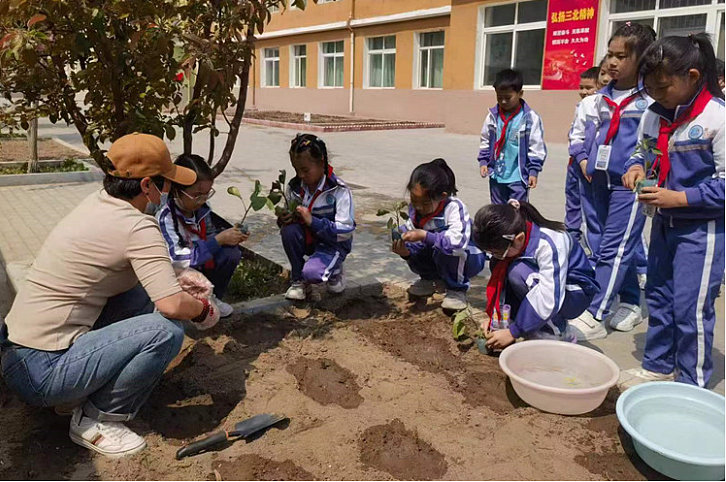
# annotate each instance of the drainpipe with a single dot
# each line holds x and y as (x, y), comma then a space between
(351, 100)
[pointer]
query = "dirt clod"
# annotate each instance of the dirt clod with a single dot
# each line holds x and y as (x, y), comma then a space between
(326, 382)
(254, 467)
(395, 450)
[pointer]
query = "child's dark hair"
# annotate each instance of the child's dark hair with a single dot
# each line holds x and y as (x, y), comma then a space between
(590, 74)
(720, 68)
(508, 79)
(494, 221)
(602, 62)
(313, 145)
(638, 37)
(435, 177)
(677, 55)
(204, 173)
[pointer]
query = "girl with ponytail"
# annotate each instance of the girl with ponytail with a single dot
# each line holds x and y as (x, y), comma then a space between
(538, 270)
(681, 155)
(436, 239)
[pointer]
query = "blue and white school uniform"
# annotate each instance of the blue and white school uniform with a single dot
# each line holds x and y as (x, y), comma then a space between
(329, 239)
(523, 154)
(551, 282)
(618, 213)
(686, 261)
(447, 253)
(192, 244)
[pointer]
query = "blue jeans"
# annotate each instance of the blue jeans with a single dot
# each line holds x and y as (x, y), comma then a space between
(113, 367)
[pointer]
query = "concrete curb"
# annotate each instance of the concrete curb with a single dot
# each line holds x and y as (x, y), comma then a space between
(345, 127)
(92, 174)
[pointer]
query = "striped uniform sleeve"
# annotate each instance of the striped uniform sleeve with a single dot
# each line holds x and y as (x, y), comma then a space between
(456, 237)
(181, 255)
(710, 193)
(647, 132)
(342, 228)
(584, 128)
(537, 150)
(546, 297)
(484, 156)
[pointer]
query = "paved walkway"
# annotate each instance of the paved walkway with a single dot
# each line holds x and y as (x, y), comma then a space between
(376, 165)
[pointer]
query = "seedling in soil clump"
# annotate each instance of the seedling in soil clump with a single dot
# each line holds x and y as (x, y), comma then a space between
(277, 194)
(397, 215)
(460, 330)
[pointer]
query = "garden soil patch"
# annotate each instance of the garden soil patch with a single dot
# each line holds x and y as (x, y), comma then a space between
(14, 150)
(374, 388)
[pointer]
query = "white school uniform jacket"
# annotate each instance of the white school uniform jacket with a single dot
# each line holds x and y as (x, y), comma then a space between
(448, 232)
(696, 153)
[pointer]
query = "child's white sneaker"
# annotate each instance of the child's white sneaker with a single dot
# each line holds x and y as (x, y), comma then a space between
(454, 300)
(627, 317)
(225, 309)
(586, 327)
(422, 288)
(636, 376)
(336, 283)
(111, 439)
(296, 291)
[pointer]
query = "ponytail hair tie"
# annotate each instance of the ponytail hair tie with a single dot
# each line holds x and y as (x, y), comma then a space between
(514, 203)
(628, 24)
(694, 40)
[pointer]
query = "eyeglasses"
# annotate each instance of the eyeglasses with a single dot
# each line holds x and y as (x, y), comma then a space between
(510, 238)
(202, 198)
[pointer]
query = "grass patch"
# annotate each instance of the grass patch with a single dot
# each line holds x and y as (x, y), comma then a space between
(255, 278)
(69, 165)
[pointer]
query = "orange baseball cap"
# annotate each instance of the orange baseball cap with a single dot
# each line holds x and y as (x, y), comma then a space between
(135, 156)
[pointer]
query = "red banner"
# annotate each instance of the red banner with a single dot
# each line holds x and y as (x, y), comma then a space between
(570, 42)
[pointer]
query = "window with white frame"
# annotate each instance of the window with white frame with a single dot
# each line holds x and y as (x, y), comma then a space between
(669, 17)
(430, 60)
(512, 36)
(298, 70)
(332, 54)
(381, 62)
(271, 72)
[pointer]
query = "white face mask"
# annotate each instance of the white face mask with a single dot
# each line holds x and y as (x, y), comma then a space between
(151, 207)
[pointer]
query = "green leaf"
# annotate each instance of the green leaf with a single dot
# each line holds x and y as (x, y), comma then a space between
(382, 212)
(404, 215)
(258, 189)
(390, 223)
(269, 204)
(402, 205)
(234, 191)
(458, 329)
(281, 178)
(461, 316)
(294, 204)
(170, 132)
(258, 202)
(275, 197)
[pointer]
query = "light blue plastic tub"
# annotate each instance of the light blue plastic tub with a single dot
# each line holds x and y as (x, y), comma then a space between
(677, 429)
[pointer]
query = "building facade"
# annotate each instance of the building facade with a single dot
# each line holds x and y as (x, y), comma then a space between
(435, 60)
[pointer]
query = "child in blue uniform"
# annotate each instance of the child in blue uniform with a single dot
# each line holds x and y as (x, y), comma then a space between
(681, 148)
(512, 149)
(323, 230)
(613, 119)
(540, 271)
(436, 241)
(186, 223)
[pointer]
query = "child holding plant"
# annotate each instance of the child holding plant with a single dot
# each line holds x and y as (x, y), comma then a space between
(678, 171)
(539, 270)
(321, 224)
(193, 241)
(436, 240)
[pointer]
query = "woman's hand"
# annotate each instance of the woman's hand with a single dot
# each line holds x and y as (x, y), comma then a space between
(583, 168)
(305, 215)
(231, 237)
(663, 198)
(399, 247)
(634, 175)
(532, 182)
(500, 339)
(414, 236)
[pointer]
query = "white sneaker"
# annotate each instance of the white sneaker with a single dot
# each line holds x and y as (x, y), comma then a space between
(336, 284)
(225, 309)
(636, 376)
(627, 317)
(422, 288)
(454, 300)
(586, 327)
(111, 439)
(642, 280)
(296, 291)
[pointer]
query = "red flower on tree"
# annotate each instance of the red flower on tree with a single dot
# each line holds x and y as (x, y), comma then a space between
(179, 77)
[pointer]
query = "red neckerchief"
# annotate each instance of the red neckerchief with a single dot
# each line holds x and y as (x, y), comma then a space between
(202, 233)
(499, 145)
(420, 224)
(662, 162)
(615, 120)
(495, 287)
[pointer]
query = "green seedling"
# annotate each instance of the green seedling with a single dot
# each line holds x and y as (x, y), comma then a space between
(277, 194)
(257, 203)
(397, 215)
(460, 331)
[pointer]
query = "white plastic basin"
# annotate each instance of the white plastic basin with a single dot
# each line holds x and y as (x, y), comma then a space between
(557, 376)
(677, 429)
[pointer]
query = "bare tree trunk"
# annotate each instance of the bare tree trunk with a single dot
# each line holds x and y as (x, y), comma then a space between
(33, 144)
(191, 116)
(238, 113)
(210, 157)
